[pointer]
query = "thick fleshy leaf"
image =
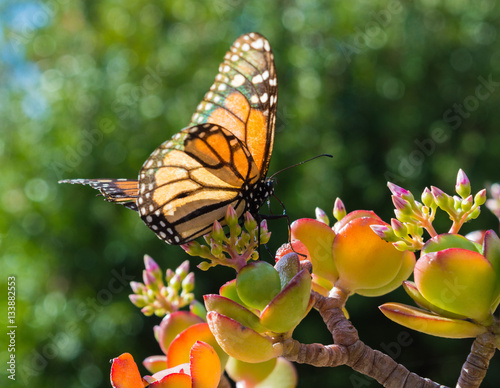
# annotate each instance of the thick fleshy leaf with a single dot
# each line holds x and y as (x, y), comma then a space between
(178, 369)
(205, 366)
(318, 239)
(197, 308)
(321, 285)
(172, 324)
(239, 341)
(289, 307)
(457, 280)
(155, 364)
(492, 253)
(287, 267)
(353, 215)
(178, 352)
(449, 240)
(174, 380)
(284, 375)
(249, 373)
(296, 246)
(363, 259)
(257, 284)
(412, 290)
(233, 310)
(404, 273)
(428, 323)
(124, 372)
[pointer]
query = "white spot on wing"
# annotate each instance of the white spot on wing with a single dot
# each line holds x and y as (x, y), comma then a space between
(238, 80)
(258, 44)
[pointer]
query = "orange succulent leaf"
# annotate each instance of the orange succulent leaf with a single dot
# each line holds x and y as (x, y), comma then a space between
(429, 323)
(240, 341)
(231, 309)
(179, 350)
(296, 246)
(290, 306)
(353, 215)
(205, 366)
(364, 261)
(318, 238)
(408, 263)
(124, 372)
(457, 280)
(173, 324)
(173, 380)
(321, 285)
(155, 364)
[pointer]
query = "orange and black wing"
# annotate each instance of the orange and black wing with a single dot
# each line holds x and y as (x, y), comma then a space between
(243, 98)
(190, 180)
(122, 191)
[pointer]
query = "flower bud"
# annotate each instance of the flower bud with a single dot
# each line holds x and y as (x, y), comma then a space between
(250, 223)
(480, 197)
(475, 213)
(427, 197)
(399, 191)
(399, 228)
(183, 269)
(441, 198)
(137, 287)
(467, 203)
(148, 278)
(339, 210)
(215, 249)
(231, 217)
(138, 300)
(217, 233)
(321, 216)
(192, 248)
(385, 232)
(148, 311)
(150, 264)
(402, 205)
(204, 266)
(462, 186)
(188, 283)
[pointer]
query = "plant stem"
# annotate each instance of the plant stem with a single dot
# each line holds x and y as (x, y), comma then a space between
(474, 369)
(361, 357)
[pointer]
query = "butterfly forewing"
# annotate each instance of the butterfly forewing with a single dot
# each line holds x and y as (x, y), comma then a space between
(189, 181)
(243, 98)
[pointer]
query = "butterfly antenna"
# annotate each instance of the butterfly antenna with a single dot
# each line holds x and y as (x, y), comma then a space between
(298, 164)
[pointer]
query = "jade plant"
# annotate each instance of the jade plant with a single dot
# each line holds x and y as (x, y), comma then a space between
(245, 333)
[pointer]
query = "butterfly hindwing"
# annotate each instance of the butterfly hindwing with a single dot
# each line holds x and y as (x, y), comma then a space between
(122, 191)
(243, 98)
(188, 182)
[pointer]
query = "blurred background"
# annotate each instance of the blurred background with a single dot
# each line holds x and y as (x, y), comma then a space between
(402, 91)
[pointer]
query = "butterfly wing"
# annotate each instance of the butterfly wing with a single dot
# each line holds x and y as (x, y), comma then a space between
(243, 98)
(221, 159)
(189, 181)
(122, 191)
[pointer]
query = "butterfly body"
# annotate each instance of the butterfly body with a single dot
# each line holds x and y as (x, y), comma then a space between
(221, 159)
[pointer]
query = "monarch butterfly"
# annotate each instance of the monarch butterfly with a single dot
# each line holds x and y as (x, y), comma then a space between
(220, 159)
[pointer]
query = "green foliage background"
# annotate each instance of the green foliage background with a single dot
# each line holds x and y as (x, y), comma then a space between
(90, 88)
